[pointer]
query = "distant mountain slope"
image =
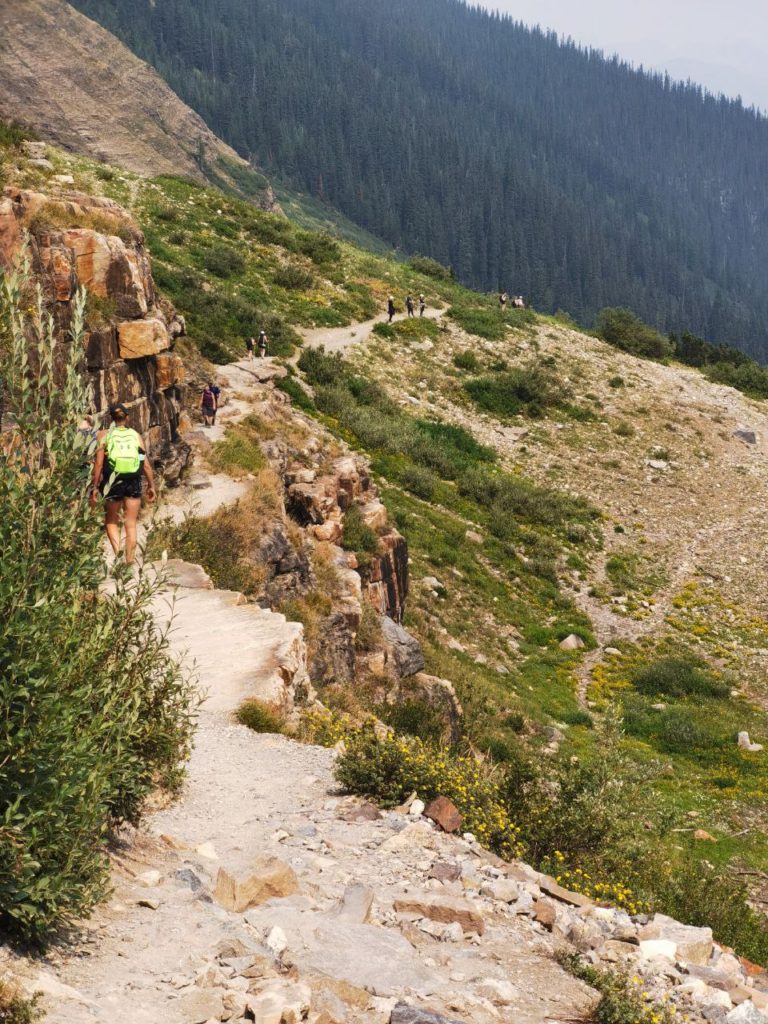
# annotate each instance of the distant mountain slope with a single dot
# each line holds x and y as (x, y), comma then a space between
(522, 162)
(76, 85)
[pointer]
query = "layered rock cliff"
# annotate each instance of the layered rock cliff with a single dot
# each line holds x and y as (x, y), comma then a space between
(76, 241)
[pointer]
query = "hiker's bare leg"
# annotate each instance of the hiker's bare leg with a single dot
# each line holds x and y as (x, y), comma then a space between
(132, 508)
(112, 523)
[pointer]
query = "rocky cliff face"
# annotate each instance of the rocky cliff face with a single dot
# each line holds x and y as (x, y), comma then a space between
(75, 241)
(76, 85)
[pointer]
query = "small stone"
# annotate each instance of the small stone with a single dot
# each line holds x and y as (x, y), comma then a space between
(207, 851)
(505, 890)
(445, 813)
(500, 992)
(445, 909)
(355, 904)
(268, 877)
(612, 652)
(702, 836)
(444, 872)
(545, 913)
(276, 942)
(416, 809)
(651, 948)
(150, 902)
(149, 878)
(201, 1006)
(188, 877)
(572, 643)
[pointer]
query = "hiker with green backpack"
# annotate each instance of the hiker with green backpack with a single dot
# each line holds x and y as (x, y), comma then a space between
(119, 467)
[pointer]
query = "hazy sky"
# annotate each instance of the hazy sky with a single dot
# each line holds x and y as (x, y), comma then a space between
(722, 45)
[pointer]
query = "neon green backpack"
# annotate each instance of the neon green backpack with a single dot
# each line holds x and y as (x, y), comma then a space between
(123, 450)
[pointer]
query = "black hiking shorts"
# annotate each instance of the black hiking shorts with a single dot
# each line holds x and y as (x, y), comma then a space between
(124, 485)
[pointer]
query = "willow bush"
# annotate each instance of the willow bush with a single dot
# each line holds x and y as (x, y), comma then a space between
(94, 710)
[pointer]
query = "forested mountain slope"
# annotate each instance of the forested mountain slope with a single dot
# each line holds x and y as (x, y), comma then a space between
(524, 163)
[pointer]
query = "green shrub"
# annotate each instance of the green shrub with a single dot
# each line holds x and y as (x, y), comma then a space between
(679, 677)
(531, 390)
(320, 248)
(419, 481)
(238, 452)
(358, 536)
(466, 361)
(368, 636)
(389, 768)
(223, 261)
(624, 429)
(700, 894)
(413, 718)
(616, 382)
(430, 268)
(621, 1000)
(751, 378)
(96, 712)
(622, 329)
(483, 322)
(291, 387)
(260, 717)
(294, 277)
(15, 1008)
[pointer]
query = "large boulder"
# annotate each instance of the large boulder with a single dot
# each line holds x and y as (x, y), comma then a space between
(404, 651)
(693, 945)
(140, 338)
(267, 877)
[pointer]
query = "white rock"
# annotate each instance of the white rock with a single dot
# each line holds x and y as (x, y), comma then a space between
(207, 850)
(572, 643)
(275, 941)
(747, 1013)
(650, 948)
(417, 808)
(503, 992)
(746, 744)
(149, 878)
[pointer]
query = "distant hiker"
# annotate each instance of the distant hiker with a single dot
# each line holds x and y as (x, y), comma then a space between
(121, 461)
(519, 303)
(208, 405)
(503, 300)
(390, 308)
(250, 345)
(216, 394)
(422, 305)
(409, 305)
(263, 344)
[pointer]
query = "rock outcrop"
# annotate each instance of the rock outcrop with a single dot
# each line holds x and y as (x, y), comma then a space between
(76, 85)
(128, 345)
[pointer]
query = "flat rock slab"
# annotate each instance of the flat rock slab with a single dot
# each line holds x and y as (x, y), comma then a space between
(185, 574)
(445, 909)
(377, 959)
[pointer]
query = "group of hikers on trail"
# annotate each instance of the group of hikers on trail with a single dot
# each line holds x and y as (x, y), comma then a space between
(517, 302)
(262, 344)
(409, 306)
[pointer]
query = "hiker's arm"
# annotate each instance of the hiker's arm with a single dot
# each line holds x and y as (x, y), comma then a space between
(98, 469)
(148, 473)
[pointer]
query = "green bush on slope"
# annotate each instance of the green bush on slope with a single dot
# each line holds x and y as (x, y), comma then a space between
(96, 713)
